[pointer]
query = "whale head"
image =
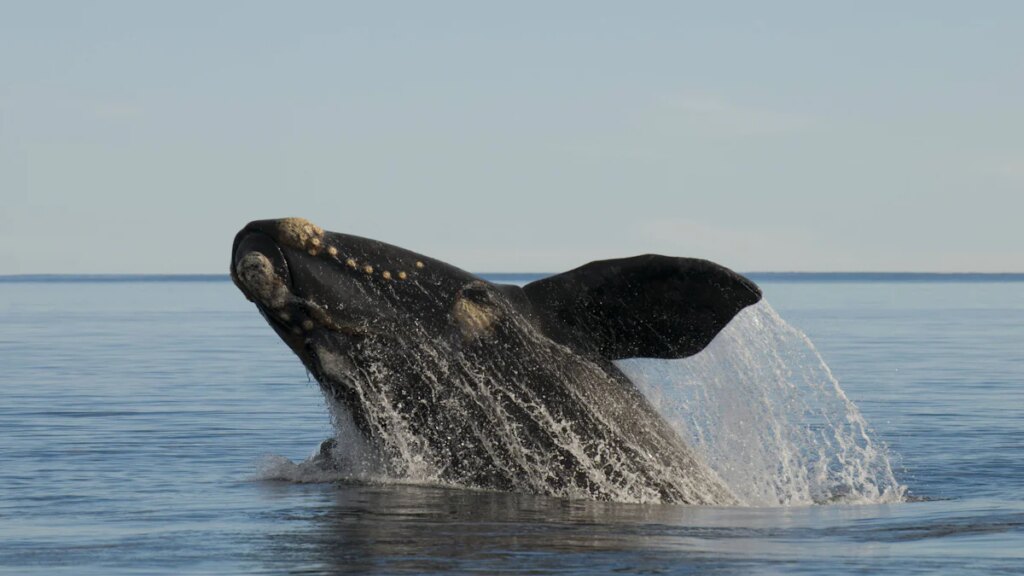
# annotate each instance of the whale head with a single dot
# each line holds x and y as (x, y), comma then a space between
(308, 282)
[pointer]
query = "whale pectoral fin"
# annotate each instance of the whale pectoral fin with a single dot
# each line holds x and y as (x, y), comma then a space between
(646, 306)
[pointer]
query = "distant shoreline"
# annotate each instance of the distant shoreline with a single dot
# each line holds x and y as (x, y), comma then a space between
(905, 277)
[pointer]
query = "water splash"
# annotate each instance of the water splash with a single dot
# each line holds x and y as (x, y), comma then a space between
(764, 410)
(516, 412)
(762, 419)
(345, 457)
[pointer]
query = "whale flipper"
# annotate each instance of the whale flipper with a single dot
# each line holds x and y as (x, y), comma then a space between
(647, 306)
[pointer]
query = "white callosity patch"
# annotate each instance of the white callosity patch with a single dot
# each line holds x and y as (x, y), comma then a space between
(256, 273)
(473, 320)
(300, 233)
(304, 235)
(767, 414)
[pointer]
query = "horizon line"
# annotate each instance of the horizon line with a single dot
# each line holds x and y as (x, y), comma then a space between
(757, 275)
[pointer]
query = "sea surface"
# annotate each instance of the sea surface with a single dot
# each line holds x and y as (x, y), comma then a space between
(138, 416)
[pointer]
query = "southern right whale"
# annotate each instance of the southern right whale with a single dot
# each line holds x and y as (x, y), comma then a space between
(493, 386)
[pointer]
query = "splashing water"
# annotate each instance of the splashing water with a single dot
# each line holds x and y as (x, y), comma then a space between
(764, 410)
(759, 409)
(346, 456)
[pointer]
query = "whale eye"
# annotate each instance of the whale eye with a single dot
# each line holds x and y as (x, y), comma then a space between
(477, 292)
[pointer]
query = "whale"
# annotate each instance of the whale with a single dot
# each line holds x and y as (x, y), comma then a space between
(475, 384)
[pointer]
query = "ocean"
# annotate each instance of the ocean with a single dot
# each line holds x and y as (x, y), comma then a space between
(142, 420)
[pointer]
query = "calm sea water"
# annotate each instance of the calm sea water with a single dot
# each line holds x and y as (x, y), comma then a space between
(134, 415)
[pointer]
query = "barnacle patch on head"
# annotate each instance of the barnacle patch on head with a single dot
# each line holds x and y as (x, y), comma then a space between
(256, 273)
(300, 233)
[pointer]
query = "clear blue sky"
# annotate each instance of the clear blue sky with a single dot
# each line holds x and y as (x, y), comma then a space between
(520, 136)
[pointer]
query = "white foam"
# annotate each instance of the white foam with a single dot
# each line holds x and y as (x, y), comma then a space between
(764, 410)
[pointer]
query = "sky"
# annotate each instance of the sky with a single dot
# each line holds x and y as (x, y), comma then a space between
(139, 137)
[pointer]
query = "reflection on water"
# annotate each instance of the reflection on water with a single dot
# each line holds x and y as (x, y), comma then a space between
(389, 529)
